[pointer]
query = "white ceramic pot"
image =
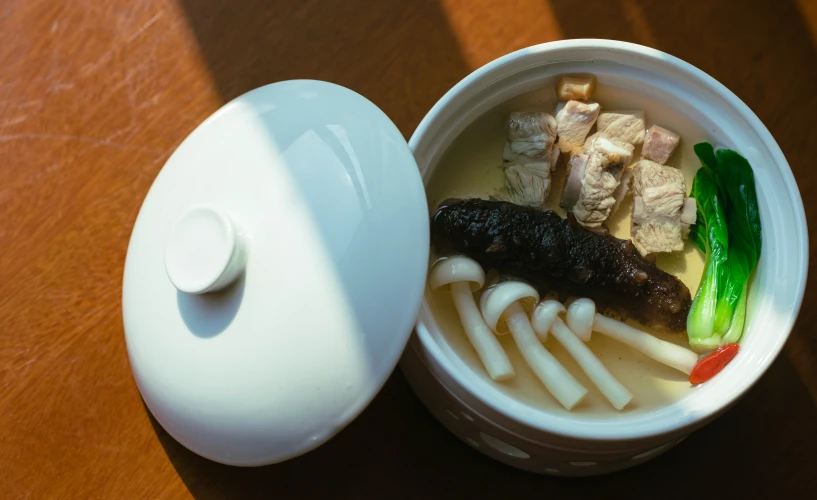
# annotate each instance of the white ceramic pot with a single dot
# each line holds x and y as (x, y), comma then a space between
(527, 438)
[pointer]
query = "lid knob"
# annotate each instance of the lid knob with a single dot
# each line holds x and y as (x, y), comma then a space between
(205, 251)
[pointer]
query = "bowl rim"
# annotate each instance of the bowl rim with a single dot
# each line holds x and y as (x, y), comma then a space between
(553, 423)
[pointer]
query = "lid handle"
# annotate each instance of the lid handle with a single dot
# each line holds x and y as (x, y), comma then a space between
(205, 252)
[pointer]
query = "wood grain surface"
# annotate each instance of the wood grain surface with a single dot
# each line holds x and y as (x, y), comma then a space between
(94, 96)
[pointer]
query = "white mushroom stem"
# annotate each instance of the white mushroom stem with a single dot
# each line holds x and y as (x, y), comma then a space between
(488, 348)
(608, 385)
(545, 319)
(461, 273)
(660, 350)
(504, 298)
(580, 315)
(564, 387)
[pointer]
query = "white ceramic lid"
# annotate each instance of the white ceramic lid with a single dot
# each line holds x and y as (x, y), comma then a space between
(274, 272)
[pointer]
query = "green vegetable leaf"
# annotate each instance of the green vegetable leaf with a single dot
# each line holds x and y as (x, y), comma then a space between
(739, 188)
(745, 235)
(711, 235)
(706, 153)
(728, 231)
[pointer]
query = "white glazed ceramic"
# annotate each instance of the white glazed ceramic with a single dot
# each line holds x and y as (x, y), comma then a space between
(521, 436)
(304, 201)
(205, 252)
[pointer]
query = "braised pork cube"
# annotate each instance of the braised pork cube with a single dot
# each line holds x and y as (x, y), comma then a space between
(531, 155)
(623, 188)
(689, 214)
(607, 159)
(589, 141)
(576, 87)
(659, 144)
(573, 180)
(531, 136)
(575, 173)
(574, 122)
(654, 235)
(659, 197)
(627, 126)
(527, 184)
(576, 166)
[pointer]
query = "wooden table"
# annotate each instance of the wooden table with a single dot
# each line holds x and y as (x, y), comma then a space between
(94, 96)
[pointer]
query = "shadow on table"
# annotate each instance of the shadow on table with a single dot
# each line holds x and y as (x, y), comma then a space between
(395, 449)
(400, 55)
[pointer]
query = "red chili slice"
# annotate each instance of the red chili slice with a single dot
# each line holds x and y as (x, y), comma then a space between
(711, 364)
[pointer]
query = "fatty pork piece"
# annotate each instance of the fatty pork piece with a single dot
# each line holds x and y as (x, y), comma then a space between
(623, 188)
(606, 161)
(658, 202)
(576, 166)
(689, 214)
(558, 255)
(627, 126)
(527, 184)
(576, 87)
(573, 180)
(659, 144)
(531, 136)
(531, 154)
(574, 122)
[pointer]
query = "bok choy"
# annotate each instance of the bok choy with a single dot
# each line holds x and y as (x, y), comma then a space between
(727, 231)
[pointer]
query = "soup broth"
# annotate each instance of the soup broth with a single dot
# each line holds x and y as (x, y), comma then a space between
(470, 167)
